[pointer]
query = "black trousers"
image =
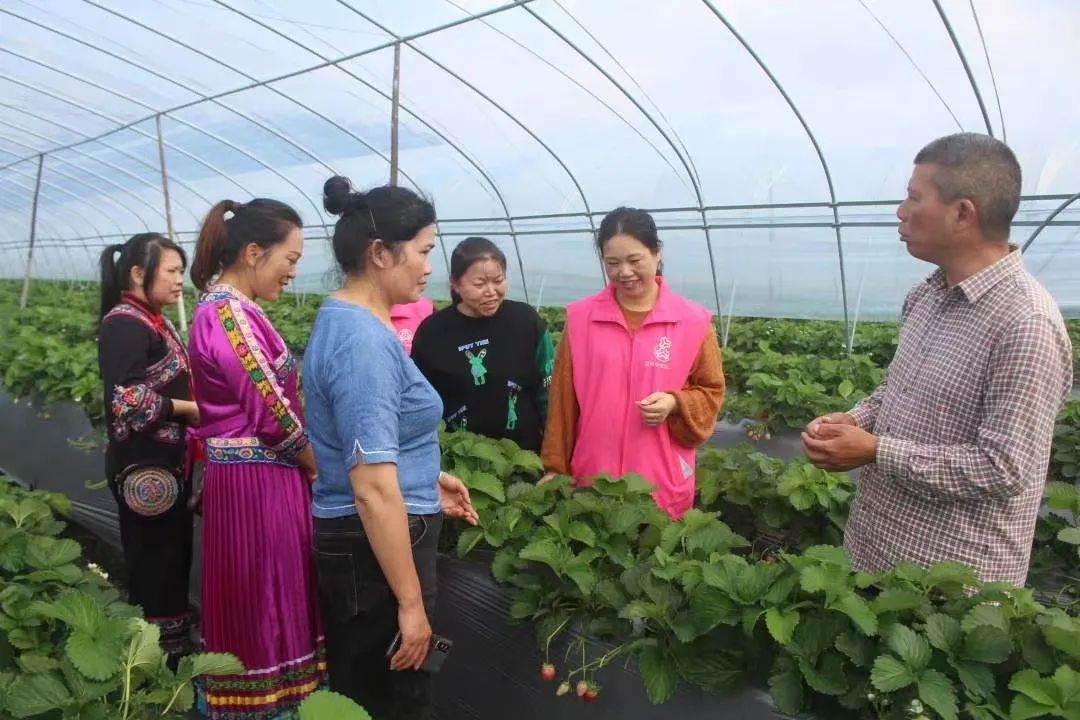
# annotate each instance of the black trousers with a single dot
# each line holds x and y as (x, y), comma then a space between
(157, 553)
(360, 616)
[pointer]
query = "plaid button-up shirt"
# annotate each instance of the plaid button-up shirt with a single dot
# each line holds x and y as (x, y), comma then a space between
(965, 419)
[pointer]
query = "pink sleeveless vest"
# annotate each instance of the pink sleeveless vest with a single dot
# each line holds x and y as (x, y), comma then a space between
(406, 318)
(612, 369)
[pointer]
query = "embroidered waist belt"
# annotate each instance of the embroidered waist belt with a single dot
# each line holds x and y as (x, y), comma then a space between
(243, 450)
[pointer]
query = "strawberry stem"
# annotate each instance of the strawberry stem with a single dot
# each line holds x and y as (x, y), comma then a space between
(547, 645)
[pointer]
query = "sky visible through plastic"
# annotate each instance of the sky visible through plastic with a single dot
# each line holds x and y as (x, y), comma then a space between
(525, 122)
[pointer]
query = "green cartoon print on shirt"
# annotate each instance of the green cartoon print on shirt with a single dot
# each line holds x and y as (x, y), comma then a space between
(511, 404)
(476, 366)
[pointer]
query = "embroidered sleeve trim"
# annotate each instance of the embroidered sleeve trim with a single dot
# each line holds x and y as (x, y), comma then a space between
(253, 360)
(135, 408)
(284, 365)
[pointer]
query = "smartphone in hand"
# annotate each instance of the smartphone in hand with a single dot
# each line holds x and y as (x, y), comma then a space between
(440, 648)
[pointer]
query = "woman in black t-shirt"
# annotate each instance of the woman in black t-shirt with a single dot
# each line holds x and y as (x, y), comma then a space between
(489, 358)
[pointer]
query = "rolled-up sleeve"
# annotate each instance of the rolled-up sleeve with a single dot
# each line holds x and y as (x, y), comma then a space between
(364, 392)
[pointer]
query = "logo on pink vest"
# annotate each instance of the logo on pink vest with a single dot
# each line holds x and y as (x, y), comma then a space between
(663, 350)
(662, 353)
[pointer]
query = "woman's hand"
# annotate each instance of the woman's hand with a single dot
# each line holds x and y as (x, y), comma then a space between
(454, 499)
(655, 408)
(186, 410)
(415, 638)
(306, 461)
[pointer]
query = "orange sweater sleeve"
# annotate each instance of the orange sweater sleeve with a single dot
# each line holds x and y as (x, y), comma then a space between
(699, 401)
(562, 413)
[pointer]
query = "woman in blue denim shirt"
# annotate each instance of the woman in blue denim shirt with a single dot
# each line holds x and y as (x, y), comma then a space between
(372, 418)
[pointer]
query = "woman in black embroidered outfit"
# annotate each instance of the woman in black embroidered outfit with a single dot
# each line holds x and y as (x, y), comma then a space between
(148, 405)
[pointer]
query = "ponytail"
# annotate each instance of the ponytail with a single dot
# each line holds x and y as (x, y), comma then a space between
(211, 245)
(112, 285)
(261, 221)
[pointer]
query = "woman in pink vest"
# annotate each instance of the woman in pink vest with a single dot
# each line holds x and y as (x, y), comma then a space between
(407, 318)
(638, 378)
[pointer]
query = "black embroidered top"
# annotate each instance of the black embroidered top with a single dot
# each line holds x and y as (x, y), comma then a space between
(143, 365)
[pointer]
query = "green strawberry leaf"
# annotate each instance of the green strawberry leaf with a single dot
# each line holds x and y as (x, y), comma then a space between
(781, 624)
(323, 704)
(31, 695)
(97, 657)
(912, 647)
(988, 645)
(786, 688)
(943, 632)
(890, 674)
(937, 691)
(658, 674)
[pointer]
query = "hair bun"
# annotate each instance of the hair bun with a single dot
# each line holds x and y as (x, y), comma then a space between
(339, 198)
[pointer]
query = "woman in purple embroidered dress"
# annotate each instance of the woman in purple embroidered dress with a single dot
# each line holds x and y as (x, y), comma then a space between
(144, 370)
(259, 595)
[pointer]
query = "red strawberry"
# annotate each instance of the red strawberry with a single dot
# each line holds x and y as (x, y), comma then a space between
(590, 695)
(582, 688)
(547, 672)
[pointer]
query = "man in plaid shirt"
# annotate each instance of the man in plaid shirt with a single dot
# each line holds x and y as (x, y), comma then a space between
(955, 442)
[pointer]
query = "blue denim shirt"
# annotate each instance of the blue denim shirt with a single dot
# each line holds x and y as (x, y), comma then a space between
(365, 402)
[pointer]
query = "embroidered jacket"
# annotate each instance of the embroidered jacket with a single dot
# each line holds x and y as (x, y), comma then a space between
(143, 366)
(246, 383)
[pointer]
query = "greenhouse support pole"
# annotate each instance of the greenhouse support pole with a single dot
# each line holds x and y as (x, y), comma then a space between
(395, 102)
(182, 310)
(33, 228)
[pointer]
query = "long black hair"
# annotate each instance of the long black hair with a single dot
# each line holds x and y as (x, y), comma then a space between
(392, 214)
(143, 251)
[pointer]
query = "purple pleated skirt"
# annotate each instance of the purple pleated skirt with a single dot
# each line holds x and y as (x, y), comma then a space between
(259, 591)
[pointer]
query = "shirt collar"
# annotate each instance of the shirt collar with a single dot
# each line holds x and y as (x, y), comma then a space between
(974, 287)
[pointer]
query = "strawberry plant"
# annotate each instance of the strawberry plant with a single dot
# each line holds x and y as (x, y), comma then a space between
(813, 337)
(1065, 458)
(788, 391)
(601, 571)
(606, 562)
(68, 647)
(1056, 552)
(293, 320)
(488, 468)
(787, 505)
